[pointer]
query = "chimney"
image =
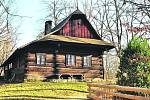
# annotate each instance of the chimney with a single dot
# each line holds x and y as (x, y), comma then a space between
(48, 26)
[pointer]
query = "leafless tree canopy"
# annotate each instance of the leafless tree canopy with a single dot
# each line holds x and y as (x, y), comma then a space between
(115, 20)
(7, 32)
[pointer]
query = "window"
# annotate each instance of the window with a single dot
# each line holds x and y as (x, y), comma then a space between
(70, 59)
(10, 65)
(40, 58)
(87, 61)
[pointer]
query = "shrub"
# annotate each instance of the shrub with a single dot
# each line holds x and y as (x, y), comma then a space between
(134, 69)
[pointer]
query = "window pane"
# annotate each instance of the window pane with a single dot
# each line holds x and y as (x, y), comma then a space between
(84, 61)
(87, 61)
(41, 58)
(70, 59)
(67, 59)
(38, 58)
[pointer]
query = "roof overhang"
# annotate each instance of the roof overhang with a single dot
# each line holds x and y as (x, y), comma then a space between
(65, 39)
(70, 39)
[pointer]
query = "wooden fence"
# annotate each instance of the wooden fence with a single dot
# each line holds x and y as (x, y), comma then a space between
(114, 92)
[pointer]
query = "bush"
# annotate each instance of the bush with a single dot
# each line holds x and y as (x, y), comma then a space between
(134, 67)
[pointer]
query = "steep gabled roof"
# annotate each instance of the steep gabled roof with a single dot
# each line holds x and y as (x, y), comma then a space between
(75, 13)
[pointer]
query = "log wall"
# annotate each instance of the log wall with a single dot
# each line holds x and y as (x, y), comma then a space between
(41, 71)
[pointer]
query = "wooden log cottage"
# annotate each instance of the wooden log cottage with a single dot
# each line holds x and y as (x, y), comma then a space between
(72, 49)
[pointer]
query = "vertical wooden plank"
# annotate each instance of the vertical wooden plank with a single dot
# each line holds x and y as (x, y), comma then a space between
(67, 28)
(63, 31)
(88, 34)
(89, 89)
(76, 28)
(85, 28)
(79, 28)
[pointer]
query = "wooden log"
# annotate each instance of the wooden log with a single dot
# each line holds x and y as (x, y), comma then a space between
(39, 69)
(31, 55)
(60, 58)
(31, 63)
(40, 73)
(95, 67)
(49, 64)
(97, 63)
(93, 97)
(96, 59)
(95, 71)
(122, 88)
(49, 58)
(125, 96)
(72, 71)
(60, 65)
(31, 59)
(78, 61)
(87, 75)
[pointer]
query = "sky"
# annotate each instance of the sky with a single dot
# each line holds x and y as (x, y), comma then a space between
(31, 25)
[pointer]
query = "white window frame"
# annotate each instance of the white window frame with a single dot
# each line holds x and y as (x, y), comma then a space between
(87, 61)
(70, 59)
(40, 58)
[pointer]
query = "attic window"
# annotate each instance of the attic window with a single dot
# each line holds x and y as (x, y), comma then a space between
(40, 58)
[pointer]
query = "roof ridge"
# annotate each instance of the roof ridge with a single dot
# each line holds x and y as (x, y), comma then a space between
(63, 22)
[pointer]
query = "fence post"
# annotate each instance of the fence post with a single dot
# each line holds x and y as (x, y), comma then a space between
(89, 89)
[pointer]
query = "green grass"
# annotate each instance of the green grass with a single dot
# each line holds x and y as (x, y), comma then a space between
(44, 90)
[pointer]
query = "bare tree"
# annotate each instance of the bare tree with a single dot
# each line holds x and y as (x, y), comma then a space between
(58, 9)
(114, 20)
(142, 5)
(7, 32)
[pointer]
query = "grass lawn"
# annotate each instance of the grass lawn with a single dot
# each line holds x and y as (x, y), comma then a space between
(44, 90)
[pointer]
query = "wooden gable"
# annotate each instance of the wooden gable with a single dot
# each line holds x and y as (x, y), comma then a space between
(77, 25)
(76, 28)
